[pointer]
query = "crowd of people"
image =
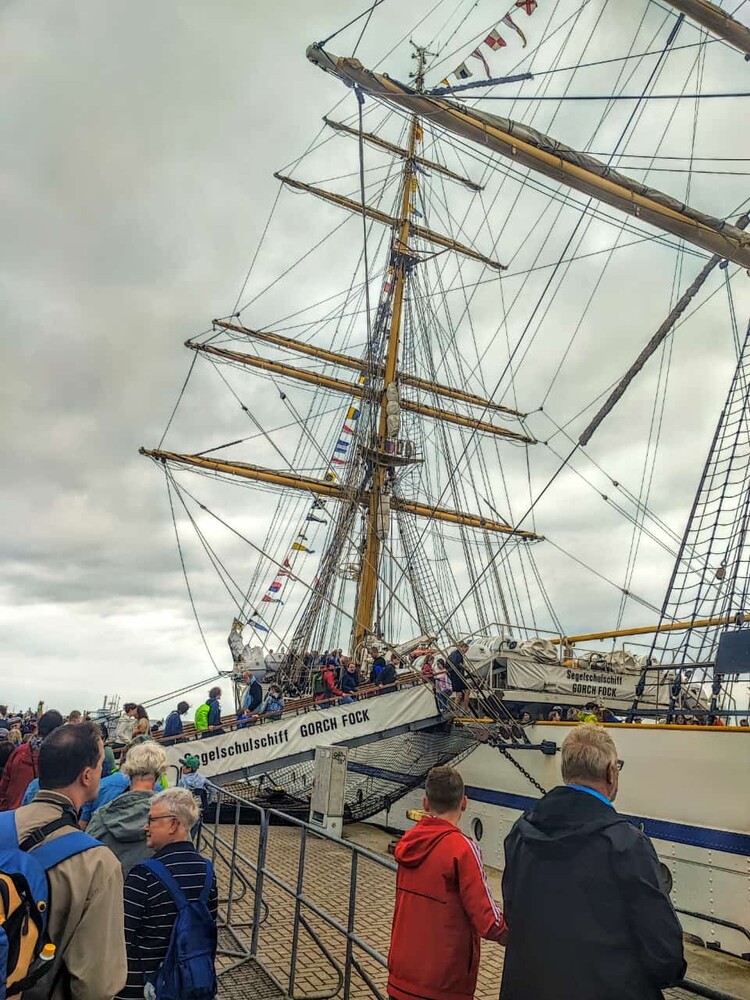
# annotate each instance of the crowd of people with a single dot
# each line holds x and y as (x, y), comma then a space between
(130, 878)
(124, 882)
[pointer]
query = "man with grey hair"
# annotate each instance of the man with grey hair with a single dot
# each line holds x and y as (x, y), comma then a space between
(586, 911)
(151, 909)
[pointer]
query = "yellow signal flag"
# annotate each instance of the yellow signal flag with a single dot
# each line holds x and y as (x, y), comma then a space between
(418, 132)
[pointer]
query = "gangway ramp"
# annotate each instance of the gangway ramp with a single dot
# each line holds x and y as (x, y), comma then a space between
(270, 746)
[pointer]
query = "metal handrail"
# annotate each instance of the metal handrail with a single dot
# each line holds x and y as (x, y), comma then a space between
(303, 904)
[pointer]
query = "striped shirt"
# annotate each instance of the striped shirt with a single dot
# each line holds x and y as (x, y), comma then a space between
(150, 912)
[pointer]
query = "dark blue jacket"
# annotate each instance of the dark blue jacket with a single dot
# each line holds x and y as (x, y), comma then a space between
(606, 927)
(349, 682)
(214, 712)
(173, 725)
(253, 695)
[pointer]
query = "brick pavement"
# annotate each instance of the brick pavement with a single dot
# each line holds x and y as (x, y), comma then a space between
(326, 881)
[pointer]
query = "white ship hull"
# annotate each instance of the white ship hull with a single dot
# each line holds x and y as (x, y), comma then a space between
(687, 787)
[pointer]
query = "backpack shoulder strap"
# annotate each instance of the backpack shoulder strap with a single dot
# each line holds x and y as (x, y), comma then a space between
(206, 890)
(8, 832)
(167, 879)
(54, 852)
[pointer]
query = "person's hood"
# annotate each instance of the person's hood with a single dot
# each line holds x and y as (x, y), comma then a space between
(125, 816)
(27, 753)
(564, 816)
(417, 843)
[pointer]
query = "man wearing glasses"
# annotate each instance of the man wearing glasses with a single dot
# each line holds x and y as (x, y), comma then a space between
(583, 898)
(150, 909)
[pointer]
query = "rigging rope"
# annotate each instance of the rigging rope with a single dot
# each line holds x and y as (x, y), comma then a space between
(187, 581)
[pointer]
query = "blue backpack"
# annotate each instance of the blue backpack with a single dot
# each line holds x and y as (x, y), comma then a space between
(24, 897)
(188, 971)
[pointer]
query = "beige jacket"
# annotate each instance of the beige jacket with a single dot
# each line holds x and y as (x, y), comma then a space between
(86, 919)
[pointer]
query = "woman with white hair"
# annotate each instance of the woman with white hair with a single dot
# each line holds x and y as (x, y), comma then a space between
(121, 823)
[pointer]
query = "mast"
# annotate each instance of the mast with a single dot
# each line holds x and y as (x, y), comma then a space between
(378, 509)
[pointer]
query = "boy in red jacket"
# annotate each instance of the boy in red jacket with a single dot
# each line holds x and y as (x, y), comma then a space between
(443, 902)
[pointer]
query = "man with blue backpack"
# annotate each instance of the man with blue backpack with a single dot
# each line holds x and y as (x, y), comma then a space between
(171, 905)
(60, 890)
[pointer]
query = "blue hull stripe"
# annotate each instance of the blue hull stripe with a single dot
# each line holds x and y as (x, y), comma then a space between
(680, 833)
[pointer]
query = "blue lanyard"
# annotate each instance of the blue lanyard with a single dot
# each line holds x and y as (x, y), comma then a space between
(592, 791)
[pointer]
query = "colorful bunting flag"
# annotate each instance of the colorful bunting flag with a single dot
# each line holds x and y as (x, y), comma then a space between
(415, 211)
(330, 477)
(528, 5)
(271, 600)
(312, 517)
(353, 413)
(477, 54)
(342, 444)
(275, 586)
(444, 83)
(495, 40)
(511, 24)
(418, 132)
(318, 504)
(348, 430)
(257, 626)
(298, 547)
(337, 461)
(462, 72)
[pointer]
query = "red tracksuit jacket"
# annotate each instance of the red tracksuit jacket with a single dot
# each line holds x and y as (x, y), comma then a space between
(443, 908)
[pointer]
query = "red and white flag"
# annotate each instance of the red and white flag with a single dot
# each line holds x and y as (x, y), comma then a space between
(528, 5)
(495, 40)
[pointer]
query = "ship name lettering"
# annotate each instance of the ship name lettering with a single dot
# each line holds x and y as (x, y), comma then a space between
(318, 727)
(356, 717)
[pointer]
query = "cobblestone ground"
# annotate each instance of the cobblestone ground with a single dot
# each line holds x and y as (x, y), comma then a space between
(321, 949)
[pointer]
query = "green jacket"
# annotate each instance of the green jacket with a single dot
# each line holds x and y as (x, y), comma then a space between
(201, 717)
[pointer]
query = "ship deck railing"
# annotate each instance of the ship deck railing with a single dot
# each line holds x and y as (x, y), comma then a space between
(294, 707)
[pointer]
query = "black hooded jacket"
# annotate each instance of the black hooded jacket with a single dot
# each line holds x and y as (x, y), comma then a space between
(586, 915)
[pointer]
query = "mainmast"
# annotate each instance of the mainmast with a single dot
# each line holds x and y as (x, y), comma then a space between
(377, 521)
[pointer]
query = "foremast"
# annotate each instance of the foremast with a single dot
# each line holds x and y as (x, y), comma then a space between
(378, 511)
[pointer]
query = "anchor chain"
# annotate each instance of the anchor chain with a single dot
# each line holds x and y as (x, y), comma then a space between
(520, 768)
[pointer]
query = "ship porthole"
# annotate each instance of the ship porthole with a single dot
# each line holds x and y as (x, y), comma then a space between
(477, 829)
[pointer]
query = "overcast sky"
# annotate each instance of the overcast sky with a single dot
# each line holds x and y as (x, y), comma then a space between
(138, 143)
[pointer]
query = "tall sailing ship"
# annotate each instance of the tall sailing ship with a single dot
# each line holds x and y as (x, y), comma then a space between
(462, 285)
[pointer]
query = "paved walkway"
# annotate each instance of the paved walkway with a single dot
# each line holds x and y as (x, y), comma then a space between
(322, 949)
